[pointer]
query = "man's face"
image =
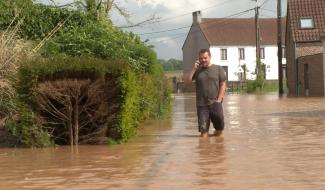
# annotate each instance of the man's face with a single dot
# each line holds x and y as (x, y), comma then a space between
(204, 59)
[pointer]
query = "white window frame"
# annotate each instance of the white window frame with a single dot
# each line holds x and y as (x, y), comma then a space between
(306, 23)
(241, 52)
(223, 53)
(262, 53)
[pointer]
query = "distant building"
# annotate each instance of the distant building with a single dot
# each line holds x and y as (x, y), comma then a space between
(232, 44)
(305, 52)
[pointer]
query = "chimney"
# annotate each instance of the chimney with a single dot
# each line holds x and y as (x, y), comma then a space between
(322, 37)
(197, 17)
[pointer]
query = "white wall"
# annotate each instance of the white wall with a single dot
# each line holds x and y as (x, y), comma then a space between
(233, 63)
(271, 62)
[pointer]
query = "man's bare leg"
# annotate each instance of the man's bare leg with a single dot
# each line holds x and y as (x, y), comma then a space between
(204, 134)
(218, 133)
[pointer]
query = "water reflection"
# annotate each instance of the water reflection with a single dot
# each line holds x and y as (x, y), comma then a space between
(211, 163)
(269, 143)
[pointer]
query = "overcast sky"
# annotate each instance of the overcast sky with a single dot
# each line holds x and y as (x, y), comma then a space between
(175, 18)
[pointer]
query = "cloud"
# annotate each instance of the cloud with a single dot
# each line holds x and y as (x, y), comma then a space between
(169, 41)
(175, 6)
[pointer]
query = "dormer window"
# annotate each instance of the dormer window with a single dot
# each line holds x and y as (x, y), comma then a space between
(306, 23)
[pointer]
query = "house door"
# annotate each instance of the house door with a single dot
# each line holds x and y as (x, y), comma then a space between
(306, 80)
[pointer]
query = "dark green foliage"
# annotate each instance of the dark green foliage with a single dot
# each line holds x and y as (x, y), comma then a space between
(39, 20)
(81, 49)
(171, 64)
(130, 99)
(258, 84)
(103, 41)
(141, 96)
(26, 129)
(95, 39)
(11, 8)
(268, 86)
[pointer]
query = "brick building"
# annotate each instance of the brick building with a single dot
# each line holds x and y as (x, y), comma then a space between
(304, 47)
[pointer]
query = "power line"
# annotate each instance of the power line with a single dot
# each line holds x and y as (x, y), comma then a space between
(218, 4)
(161, 31)
(273, 11)
(268, 10)
(263, 4)
(184, 14)
(225, 20)
(173, 29)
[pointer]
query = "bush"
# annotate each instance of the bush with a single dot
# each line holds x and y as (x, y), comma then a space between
(39, 20)
(255, 87)
(85, 45)
(138, 96)
(103, 41)
(27, 130)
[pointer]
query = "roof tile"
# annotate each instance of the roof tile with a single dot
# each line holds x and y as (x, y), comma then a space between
(314, 9)
(240, 31)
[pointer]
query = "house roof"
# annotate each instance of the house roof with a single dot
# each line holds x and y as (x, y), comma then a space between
(240, 31)
(314, 9)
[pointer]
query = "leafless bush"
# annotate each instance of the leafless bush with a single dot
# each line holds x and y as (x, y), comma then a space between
(75, 109)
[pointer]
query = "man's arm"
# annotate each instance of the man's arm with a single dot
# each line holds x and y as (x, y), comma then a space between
(189, 76)
(222, 91)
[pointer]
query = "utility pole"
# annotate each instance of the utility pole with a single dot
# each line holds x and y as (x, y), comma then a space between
(258, 49)
(280, 49)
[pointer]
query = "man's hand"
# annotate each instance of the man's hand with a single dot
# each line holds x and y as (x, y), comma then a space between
(222, 90)
(189, 76)
(196, 65)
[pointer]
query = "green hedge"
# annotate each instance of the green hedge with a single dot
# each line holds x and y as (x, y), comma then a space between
(140, 96)
(144, 92)
(40, 20)
(103, 41)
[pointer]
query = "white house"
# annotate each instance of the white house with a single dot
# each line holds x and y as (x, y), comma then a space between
(232, 45)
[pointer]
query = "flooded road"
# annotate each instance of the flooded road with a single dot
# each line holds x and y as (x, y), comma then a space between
(269, 143)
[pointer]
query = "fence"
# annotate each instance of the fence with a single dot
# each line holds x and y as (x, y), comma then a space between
(232, 87)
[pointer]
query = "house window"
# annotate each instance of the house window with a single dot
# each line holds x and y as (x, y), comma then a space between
(283, 52)
(262, 53)
(241, 52)
(223, 54)
(306, 23)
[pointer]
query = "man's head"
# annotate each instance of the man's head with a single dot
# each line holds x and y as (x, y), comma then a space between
(205, 57)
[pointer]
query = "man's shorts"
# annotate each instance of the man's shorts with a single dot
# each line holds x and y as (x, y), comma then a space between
(213, 113)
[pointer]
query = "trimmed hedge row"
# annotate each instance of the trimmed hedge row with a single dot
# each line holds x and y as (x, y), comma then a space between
(136, 91)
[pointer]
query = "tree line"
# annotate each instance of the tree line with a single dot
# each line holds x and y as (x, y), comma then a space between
(171, 64)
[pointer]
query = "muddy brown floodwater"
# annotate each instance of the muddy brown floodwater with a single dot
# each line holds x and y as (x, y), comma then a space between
(269, 143)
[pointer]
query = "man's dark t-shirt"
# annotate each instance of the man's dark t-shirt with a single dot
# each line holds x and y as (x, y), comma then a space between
(207, 84)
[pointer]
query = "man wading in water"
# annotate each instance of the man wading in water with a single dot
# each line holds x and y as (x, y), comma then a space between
(210, 82)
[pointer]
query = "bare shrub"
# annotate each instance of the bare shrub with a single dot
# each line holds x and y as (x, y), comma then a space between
(11, 52)
(76, 111)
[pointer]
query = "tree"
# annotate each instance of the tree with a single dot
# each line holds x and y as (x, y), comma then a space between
(100, 9)
(171, 64)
